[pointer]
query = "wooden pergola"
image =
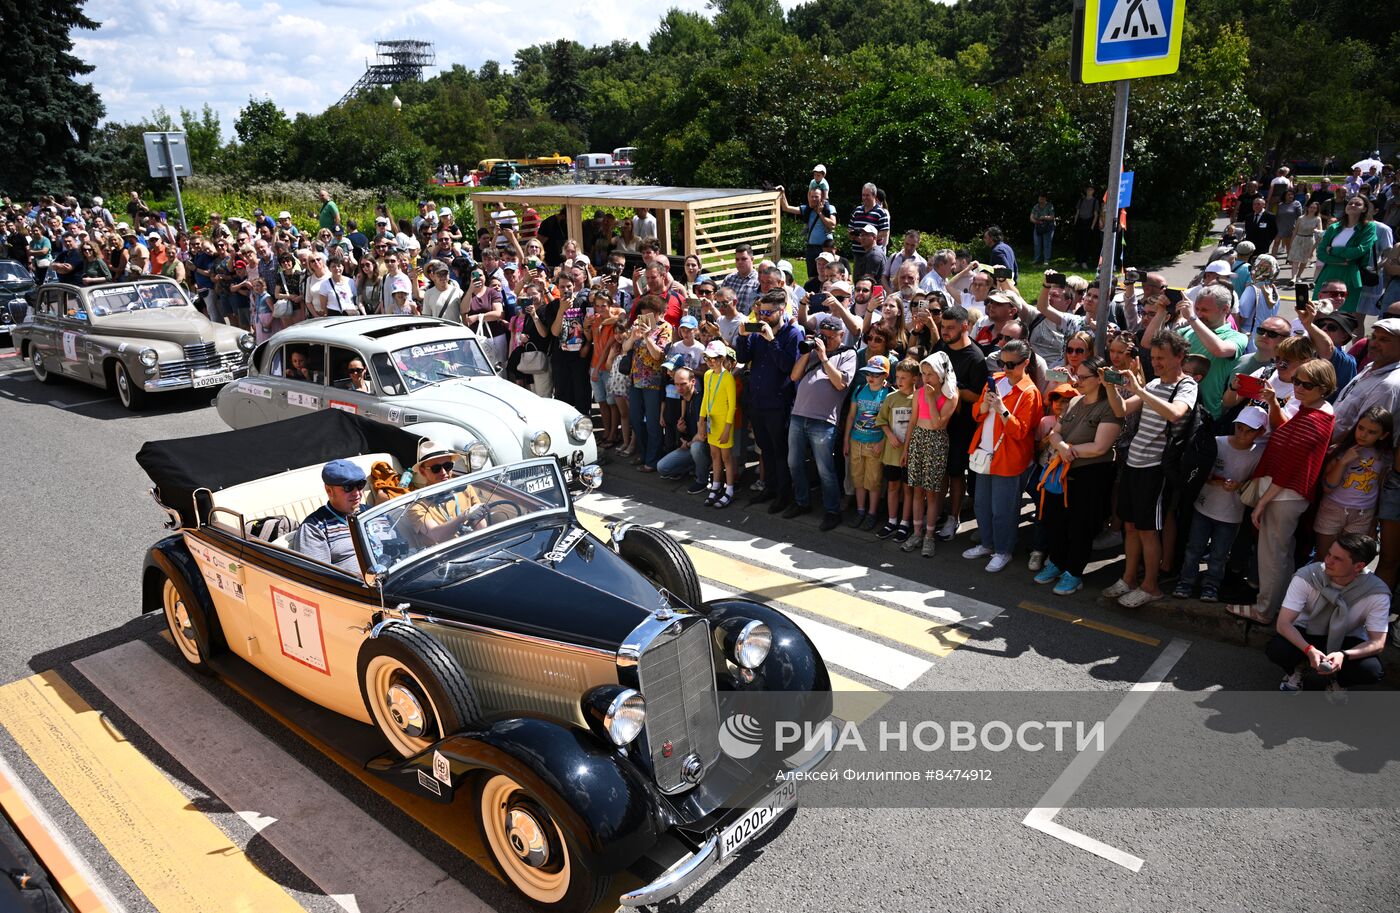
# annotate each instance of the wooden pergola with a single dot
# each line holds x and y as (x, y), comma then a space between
(714, 220)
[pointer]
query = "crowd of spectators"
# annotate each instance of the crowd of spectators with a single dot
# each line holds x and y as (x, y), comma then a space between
(1211, 441)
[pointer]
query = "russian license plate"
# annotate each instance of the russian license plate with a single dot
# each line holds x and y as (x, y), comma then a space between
(214, 380)
(755, 820)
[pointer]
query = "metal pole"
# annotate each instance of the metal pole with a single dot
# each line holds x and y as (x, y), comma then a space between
(1110, 229)
(170, 163)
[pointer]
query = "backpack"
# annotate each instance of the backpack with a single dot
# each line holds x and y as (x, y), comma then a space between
(1180, 455)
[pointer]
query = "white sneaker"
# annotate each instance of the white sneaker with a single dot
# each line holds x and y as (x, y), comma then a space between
(998, 562)
(1118, 589)
(977, 551)
(1292, 682)
(1137, 599)
(758, 485)
(947, 529)
(1109, 538)
(1037, 561)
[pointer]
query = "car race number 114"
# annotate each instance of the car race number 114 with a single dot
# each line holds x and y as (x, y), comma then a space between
(299, 628)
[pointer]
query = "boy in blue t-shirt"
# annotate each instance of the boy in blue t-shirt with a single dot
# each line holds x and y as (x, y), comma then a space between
(864, 441)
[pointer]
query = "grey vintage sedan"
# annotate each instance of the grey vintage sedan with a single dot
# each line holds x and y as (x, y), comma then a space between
(136, 338)
(426, 375)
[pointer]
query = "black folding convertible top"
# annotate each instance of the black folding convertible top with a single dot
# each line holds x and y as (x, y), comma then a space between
(182, 466)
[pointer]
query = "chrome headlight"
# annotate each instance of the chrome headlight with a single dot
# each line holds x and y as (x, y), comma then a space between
(539, 443)
(245, 342)
(625, 717)
(580, 429)
(591, 477)
(478, 457)
(148, 358)
(750, 644)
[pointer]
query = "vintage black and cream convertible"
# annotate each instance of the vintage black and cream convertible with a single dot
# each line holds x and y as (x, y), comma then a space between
(571, 690)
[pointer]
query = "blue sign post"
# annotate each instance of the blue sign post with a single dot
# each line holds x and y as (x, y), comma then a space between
(1125, 190)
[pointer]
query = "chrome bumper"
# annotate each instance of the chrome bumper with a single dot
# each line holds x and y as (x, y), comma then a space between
(689, 869)
(157, 385)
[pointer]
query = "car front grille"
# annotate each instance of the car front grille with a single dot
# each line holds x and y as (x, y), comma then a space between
(201, 357)
(677, 677)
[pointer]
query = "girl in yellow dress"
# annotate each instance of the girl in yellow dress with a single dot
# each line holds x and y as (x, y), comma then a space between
(717, 407)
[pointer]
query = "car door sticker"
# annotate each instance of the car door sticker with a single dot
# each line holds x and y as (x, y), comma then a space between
(441, 769)
(70, 345)
(220, 571)
(565, 545)
(429, 783)
(393, 414)
(344, 406)
(258, 390)
(305, 400)
(299, 629)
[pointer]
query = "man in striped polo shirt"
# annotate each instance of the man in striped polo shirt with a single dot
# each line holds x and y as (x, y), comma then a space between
(325, 534)
(1163, 402)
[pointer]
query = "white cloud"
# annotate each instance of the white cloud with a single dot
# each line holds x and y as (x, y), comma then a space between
(305, 54)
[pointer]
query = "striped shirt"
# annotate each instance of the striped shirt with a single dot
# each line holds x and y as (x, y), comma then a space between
(1150, 442)
(860, 217)
(325, 536)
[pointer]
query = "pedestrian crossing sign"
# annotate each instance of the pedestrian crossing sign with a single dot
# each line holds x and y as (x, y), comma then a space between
(1127, 39)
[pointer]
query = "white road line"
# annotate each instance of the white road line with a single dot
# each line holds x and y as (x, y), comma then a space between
(62, 405)
(1057, 797)
(868, 582)
(848, 651)
(80, 864)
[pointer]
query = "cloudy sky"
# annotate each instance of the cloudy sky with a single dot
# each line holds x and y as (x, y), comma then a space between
(305, 54)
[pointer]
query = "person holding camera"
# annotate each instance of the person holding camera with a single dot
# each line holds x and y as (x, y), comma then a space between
(768, 343)
(646, 342)
(823, 370)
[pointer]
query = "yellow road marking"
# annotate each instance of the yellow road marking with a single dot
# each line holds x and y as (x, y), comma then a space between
(853, 701)
(1090, 623)
(63, 874)
(816, 598)
(172, 852)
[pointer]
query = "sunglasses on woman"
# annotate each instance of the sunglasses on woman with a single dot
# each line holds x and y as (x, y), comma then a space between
(1008, 365)
(1307, 384)
(439, 467)
(1076, 350)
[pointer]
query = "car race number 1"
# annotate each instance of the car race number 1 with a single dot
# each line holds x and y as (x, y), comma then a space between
(299, 629)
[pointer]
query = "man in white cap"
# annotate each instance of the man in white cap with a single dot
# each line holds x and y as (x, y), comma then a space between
(870, 261)
(433, 520)
(1378, 384)
(1217, 272)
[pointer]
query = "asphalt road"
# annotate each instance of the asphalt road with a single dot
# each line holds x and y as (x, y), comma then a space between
(76, 521)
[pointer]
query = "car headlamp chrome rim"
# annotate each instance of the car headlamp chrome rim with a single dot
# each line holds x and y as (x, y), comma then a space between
(245, 342)
(539, 443)
(626, 716)
(580, 429)
(591, 477)
(751, 644)
(478, 456)
(149, 357)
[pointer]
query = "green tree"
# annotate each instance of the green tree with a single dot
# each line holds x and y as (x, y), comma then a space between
(50, 117)
(564, 91)
(263, 131)
(204, 135)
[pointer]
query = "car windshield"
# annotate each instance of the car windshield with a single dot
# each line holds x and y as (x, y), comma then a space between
(432, 362)
(119, 299)
(429, 519)
(12, 272)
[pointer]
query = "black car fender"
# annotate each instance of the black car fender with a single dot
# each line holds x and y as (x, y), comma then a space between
(793, 662)
(587, 785)
(171, 556)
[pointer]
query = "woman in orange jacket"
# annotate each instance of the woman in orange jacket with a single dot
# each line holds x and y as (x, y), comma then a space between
(1001, 451)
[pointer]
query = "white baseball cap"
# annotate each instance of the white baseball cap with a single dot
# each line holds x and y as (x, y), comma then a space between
(821, 168)
(1218, 268)
(284, 214)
